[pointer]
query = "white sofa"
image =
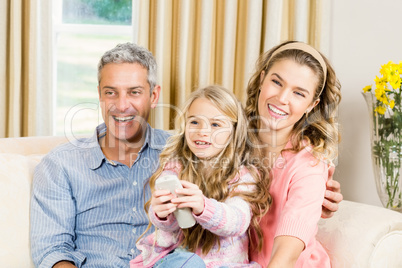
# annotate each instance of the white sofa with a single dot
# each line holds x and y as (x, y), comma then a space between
(358, 235)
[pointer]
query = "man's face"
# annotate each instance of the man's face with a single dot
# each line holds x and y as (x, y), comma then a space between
(126, 101)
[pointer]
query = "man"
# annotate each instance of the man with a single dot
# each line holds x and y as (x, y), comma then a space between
(88, 195)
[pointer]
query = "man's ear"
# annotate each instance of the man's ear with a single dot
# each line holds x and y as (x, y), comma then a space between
(155, 96)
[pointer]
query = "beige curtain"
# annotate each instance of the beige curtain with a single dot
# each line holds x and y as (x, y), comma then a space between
(17, 69)
(197, 43)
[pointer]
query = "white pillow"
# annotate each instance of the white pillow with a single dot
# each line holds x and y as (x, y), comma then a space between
(16, 173)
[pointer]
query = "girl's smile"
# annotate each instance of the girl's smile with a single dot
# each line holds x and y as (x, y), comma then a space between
(202, 144)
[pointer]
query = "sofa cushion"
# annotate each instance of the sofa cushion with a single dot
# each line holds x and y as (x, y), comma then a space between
(16, 173)
(361, 235)
(389, 245)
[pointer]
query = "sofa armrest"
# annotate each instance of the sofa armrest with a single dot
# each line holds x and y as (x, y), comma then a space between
(361, 235)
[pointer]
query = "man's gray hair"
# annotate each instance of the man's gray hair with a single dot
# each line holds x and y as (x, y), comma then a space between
(131, 53)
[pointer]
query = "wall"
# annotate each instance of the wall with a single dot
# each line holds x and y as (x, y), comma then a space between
(364, 35)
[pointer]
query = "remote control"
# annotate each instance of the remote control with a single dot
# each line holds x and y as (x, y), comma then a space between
(183, 216)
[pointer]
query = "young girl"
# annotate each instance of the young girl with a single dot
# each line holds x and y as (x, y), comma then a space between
(292, 101)
(224, 184)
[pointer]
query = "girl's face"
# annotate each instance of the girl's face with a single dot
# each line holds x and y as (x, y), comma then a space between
(287, 92)
(208, 130)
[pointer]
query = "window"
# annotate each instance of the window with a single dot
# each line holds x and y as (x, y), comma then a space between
(83, 30)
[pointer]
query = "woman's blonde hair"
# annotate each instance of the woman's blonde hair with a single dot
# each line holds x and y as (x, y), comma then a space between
(238, 152)
(318, 127)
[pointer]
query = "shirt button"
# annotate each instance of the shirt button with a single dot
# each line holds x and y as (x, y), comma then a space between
(134, 209)
(132, 251)
(135, 183)
(134, 231)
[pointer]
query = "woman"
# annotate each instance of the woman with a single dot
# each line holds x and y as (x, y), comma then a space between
(292, 100)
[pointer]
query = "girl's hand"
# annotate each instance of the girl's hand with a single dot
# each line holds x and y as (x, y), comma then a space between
(192, 197)
(161, 203)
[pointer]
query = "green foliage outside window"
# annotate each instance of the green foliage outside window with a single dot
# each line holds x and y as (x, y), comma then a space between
(97, 11)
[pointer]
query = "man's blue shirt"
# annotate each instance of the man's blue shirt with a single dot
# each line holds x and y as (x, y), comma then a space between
(87, 209)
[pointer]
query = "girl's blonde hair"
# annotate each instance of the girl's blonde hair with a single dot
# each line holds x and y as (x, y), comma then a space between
(238, 152)
(318, 127)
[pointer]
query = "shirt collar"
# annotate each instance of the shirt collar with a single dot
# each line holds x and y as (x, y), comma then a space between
(95, 155)
(154, 139)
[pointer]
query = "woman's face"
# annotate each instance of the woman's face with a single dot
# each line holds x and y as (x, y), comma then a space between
(287, 92)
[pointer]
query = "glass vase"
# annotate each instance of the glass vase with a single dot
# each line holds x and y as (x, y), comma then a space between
(386, 153)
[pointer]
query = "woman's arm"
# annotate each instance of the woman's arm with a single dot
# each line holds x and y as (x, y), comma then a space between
(302, 199)
(285, 252)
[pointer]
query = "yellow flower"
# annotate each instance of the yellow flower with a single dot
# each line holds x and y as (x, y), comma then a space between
(380, 110)
(380, 94)
(387, 87)
(386, 69)
(395, 82)
(392, 104)
(380, 82)
(391, 74)
(400, 67)
(367, 88)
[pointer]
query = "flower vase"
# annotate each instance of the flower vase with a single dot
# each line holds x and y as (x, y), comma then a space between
(386, 153)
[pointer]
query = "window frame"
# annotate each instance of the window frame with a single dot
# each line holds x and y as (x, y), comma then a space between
(52, 25)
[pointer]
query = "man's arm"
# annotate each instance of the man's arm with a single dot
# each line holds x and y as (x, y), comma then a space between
(64, 264)
(52, 215)
(332, 199)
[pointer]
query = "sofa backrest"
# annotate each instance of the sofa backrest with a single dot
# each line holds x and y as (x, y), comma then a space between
(30, 145)
(18, 159)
